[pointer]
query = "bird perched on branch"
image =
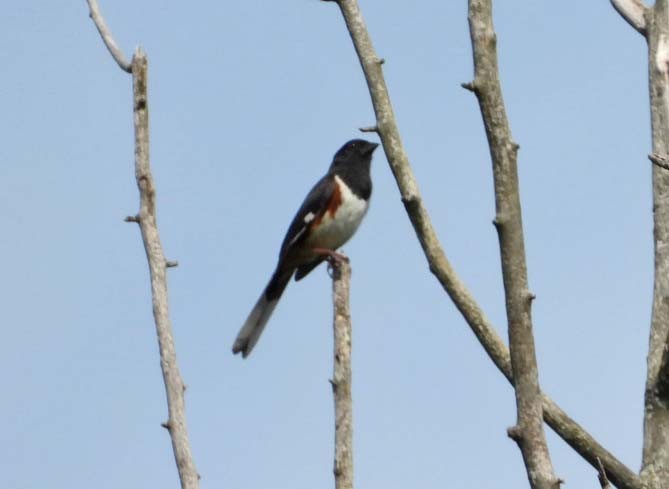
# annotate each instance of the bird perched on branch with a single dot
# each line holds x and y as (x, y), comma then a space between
(328, 217)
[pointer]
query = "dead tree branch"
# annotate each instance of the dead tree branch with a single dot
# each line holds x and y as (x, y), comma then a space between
(655, 462)
(341, 377)
(174, 386)
(634, 12)
(586, 446)
(528, 432)
(107, 37)
(556, 418)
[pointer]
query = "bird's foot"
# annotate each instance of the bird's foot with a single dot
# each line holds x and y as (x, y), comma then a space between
(333, 258)
(330, 255)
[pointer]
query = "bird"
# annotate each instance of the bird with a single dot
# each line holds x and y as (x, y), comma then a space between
(328, 218)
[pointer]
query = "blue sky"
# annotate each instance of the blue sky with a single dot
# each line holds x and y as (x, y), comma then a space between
(249, 100)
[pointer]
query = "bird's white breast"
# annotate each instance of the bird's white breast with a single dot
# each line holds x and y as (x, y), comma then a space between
(333, 231)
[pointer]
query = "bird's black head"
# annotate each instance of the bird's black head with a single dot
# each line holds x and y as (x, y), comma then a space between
(355, 152)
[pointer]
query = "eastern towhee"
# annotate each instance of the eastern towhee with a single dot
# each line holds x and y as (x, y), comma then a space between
(328, 217)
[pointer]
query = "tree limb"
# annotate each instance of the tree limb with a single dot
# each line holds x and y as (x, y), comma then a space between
(174, 386)
(146, 218)
(586, 446)
(528, 432)
(107, 37)
(634, 12)
(563, 425)
(655, 461)
(341, 377)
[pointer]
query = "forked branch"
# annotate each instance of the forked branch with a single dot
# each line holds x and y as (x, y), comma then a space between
(107, 37)
(146, 218)
(386, 126)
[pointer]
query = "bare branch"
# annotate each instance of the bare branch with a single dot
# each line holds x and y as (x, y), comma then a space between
(655, 461)
(107, 37)
(528, 432)
(563, 425)
(146, 218)
(174, 386)
(341, 377)
(634, 12)
(586, 446)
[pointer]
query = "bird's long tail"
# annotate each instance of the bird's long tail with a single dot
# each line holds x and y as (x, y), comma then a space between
(253, 327)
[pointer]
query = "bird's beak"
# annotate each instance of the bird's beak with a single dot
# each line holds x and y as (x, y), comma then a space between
(371, 148)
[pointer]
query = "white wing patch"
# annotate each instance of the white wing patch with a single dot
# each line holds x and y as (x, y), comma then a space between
(307, 219)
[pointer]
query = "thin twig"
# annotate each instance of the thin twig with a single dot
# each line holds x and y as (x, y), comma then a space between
(107, 37)
(659, 160)
(601, 475)
(529, 429)
(634, 12)
(341, 377)
(563, 425)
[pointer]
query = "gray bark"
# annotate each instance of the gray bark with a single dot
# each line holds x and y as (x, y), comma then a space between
(655, 464)
(440, 266)
(633, 11)
(174, 386)
(653, 24)
(146, 218)
(341, 376)
(107, 38)
(528, 432)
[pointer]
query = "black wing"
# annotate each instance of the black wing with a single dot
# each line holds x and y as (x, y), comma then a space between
(315, 204)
